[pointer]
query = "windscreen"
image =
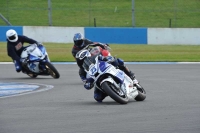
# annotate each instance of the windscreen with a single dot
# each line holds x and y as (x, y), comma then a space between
(88, 61)
(95, 51)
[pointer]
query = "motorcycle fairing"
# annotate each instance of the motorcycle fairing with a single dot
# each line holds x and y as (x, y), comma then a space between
(34, 54)
(29, 49)
(120, 75)
(43, 50)
(93, 69)
(34, 67)
(103, 66)
(33, 58)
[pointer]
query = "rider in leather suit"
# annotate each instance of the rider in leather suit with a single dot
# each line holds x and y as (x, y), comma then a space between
(15, 47)
(79, 44)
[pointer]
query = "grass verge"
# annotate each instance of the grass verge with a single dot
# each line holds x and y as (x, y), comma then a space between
(59, 52)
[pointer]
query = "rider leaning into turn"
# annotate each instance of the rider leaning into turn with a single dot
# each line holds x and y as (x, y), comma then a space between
(15, 47)
(79, 44)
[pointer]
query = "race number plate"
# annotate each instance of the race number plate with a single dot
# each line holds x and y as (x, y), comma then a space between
(93, 70)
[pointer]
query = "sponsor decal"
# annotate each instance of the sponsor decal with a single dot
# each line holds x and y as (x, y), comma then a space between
(18, 46)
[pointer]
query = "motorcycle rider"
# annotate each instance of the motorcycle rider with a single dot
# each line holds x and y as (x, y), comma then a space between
(79, 43)
(15, 47)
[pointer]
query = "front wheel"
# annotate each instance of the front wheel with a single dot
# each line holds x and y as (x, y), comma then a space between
(116, 94)
(52, 70)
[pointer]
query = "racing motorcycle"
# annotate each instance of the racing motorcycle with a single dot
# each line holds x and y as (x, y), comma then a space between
(110, 80)
(36, 62)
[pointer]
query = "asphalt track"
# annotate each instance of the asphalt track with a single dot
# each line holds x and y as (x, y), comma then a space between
(172, 104)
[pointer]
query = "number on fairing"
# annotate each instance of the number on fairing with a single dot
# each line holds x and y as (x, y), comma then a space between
(93, 70)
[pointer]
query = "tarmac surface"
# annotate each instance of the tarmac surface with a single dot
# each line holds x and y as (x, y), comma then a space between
(172, 104)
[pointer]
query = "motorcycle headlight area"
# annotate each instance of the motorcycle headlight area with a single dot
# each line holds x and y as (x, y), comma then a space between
(87, 62)
(34, 58)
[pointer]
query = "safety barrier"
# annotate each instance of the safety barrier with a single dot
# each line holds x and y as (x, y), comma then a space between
(112, 35)
(117, 35)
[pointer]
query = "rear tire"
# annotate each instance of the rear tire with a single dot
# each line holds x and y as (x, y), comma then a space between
(109, 89)
(141, 93)
(52, 70)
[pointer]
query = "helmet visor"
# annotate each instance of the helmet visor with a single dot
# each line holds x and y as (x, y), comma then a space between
(13, 37)
(78, 42)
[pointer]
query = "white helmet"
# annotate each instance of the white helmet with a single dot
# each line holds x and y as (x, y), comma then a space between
(12, 35)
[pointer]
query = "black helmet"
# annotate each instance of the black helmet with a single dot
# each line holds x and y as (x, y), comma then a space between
(78, 39)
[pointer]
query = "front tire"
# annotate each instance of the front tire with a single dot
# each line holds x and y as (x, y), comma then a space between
(52, 70)
(111, 91)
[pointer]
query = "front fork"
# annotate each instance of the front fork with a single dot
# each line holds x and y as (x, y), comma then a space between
(42, 66)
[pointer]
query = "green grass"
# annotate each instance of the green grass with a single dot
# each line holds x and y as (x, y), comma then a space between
(138, 53)
(108, 13)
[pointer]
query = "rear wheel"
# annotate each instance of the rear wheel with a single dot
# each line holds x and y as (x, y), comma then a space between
(52, 70)
(141, 93)
(116, 94)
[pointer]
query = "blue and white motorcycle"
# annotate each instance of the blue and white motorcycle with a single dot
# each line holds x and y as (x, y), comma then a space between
(36, 62)
(110, 80)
